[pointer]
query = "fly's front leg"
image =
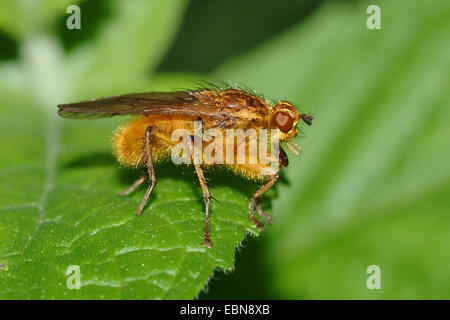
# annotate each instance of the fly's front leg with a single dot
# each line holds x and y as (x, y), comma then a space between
(256, 198)
(206, 194)
(284, 162)
(261, 212)
(150, 169)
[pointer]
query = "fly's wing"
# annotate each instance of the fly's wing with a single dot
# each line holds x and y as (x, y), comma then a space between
(182, 102)
(227, 108)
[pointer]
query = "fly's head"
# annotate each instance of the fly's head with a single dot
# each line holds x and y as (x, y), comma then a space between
(285, 117)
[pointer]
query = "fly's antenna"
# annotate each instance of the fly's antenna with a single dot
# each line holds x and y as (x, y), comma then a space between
(307, 118)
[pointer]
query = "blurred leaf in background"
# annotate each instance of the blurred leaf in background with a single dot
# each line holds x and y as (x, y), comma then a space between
(372, 187)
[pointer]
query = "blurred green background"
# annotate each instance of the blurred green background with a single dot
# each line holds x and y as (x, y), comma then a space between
(372, 184)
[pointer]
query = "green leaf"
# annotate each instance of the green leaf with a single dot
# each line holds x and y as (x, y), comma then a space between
(371, 187)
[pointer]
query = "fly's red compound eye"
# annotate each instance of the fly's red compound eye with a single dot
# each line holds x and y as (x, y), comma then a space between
(284, 121)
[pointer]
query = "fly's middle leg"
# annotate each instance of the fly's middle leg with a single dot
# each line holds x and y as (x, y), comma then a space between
(206, 194)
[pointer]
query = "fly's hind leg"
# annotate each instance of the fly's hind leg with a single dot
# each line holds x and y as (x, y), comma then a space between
(206, 194)
(256, 199)
(150, 169)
